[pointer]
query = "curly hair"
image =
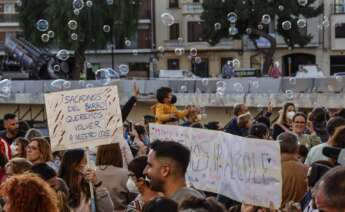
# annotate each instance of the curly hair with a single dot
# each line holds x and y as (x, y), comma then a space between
(28, 192)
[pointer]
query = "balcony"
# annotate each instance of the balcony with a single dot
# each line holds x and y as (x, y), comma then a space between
(192, 8)
(9, 20)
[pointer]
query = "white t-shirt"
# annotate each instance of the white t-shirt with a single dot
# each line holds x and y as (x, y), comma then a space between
(315, 154)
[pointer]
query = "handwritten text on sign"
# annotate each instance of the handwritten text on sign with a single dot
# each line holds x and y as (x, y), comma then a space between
(243, 169)
(81, 118)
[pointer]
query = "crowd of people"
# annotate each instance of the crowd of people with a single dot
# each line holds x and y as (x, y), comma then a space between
(33, 178)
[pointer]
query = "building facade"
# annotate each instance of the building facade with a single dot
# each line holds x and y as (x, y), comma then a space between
(326, 48)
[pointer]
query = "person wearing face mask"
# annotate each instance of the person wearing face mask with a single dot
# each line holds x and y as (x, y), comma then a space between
(137, 184)
(111, 172)
(284, 122)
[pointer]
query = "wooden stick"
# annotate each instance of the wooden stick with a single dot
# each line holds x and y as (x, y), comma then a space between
(93, 200)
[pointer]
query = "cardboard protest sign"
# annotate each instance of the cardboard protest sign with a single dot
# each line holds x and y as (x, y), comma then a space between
(243, 169)
(84, 118)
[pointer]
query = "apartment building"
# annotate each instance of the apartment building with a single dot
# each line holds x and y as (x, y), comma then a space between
(326, 49)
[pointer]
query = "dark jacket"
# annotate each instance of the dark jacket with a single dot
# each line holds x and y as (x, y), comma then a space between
(126, 109)
(232, 127)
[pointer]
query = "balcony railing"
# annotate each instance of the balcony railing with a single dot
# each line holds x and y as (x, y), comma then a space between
(192, 8)
(12, 18)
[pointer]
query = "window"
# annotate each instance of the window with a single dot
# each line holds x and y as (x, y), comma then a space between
(174, 31)
(201, 69)
(223, 61)
(339, 6)
(173, 64)
(195, 32)
(340, 30)
(173, 3)
(9, 9)
(337, 64)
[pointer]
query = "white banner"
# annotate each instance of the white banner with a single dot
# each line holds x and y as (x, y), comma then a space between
(84, 118)
(243, 169)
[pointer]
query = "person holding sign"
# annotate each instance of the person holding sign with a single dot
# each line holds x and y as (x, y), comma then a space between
(166, 168)
(165, 111)
(74, 172)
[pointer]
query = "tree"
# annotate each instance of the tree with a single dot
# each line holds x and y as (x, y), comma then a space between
(238, 18)
(89, 25)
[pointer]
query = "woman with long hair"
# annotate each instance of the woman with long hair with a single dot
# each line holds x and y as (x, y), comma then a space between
(284, 121)
(74, 172)
(28, 192)
(20, 147)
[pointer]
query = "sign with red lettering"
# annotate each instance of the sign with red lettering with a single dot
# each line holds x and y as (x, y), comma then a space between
(84, 117)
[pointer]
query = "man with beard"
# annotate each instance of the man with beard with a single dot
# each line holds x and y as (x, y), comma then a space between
(167, 164)
(11, 126)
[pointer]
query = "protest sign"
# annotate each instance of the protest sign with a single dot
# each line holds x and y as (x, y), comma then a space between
(84, 118)
(246, 170)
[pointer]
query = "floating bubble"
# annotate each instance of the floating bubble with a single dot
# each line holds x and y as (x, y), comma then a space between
(292, 81)
(62, 55)
(303, 3)
(135, 52)
(5, 88)
(42, 25)
(286, 25)
(198, 60)
(167, 19)
(221, 90)
(106, 74)
(193, 52)
(78, 4)
(106, 28)
(281, 8)
(76, 12)
(45, 38)
(260, 27)
(325, 22)
(56, 68)
(238, 87)
(161, 49)
(232, 17)
(74, 36)
(236, 63)
(128, 43)
(217, 26)
(233, 30)
(221, 84)
(60, 84)
(249, 31)
(266, 19)
(289, 94)
(89, 3)
(72, 24)
(110, 2)
(51, 34)
(19, 3)
(124, 69)
(180, 39)
(301, 23)
(255, 84)
(178, 51)
(204, 82)
(183, 89)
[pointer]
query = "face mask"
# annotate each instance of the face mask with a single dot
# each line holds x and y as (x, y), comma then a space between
(290, 115)
(131, 186)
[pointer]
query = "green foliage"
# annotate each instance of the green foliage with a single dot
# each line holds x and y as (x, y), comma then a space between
(250, 14)
(121, 17)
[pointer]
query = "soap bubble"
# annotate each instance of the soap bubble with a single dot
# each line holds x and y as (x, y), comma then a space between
(78, 4)
(217, 26)
(76, 12)
(303, 3)
(110, 2)
(45, 37)
(124, 69)
(198, 60)
(193, 52)
(183, 89)
(238, 87)
(292, 81)
(72, 24)
(56, 68)
(289, 94)
(167, 19)
(106, 74)
(301, 23)
(232, 17)
(233, 30)
(89, 3)
(286, 25)
(62, 55)
(325, 22)
(106, 28)
(221, 84)
(19, 3)
(135, 52)
(178, 51)
(266, 19)
(74, 36)
(260, 27)
(236, 63)
(281, 8)
(249, 31)
(255, 84)
(42, 25)
(51, 34)
(128, 43)
(161, 49)
(5, 88)
(60, 84)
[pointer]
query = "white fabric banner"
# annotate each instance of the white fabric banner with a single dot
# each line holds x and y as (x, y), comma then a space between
(243, 169)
